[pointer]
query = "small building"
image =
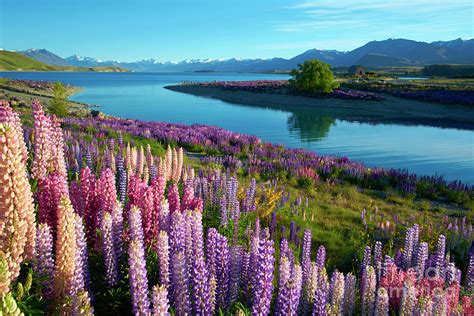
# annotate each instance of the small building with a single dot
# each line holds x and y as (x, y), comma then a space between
(357, 70)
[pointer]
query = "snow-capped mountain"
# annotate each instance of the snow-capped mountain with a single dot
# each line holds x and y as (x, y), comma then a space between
(390, 52)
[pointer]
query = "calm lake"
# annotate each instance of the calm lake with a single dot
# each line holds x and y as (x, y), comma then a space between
(420, 149)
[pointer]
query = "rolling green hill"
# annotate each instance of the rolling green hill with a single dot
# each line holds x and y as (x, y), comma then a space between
(12, 61)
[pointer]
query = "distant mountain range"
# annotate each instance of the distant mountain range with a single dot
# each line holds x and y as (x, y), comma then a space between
(390, 52)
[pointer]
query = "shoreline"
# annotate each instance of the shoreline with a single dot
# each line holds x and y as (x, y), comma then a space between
(390, 111)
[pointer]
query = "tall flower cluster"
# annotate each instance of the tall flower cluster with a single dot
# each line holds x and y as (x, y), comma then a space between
(17, 228)
(137, 265)
(66, 249)
(44, 258)
(264, 278)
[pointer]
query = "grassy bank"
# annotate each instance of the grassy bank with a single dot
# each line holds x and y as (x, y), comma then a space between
(390, 110)
(20, 93)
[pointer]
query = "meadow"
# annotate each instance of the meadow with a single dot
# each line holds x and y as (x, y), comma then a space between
(102, 215)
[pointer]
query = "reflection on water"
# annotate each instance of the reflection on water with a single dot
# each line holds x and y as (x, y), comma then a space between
(420, 149)
(310, 126)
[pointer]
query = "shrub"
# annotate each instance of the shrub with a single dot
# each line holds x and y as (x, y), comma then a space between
(313, 76)
(59, 103)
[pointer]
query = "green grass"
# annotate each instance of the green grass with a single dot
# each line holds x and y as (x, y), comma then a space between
(13, 61)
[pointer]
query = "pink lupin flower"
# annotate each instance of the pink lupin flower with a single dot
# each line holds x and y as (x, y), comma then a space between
(42, 142)
(106, 190)
(17, 217)
(173, 198)
(51, 189)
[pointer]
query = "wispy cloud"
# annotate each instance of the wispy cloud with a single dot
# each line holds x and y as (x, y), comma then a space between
(367, 16)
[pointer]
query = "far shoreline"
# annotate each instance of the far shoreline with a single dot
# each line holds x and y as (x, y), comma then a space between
(390, 111)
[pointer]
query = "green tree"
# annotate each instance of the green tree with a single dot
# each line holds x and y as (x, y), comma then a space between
(59, 104)
(313, 76)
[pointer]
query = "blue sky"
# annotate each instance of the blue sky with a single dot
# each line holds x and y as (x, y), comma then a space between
(176, 30)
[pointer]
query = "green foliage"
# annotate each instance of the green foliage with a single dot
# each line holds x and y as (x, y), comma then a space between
(313, 76)
(59, 104)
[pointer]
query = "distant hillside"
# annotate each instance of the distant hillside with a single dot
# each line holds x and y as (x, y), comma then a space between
(13, 61)
(45, 56)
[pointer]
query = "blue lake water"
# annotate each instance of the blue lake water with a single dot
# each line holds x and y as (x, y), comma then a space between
(420, 149)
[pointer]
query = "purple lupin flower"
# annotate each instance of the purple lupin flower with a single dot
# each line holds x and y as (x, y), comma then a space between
(470, 274)
(416, 241)
(289, 288)
(137, 264)
(408, 300)
(254, 248)
(309, 290)
(381, 303)
(273, 224)
(378, 259)
(408, 249)
(293, 236)
(199, 274)
(82, 278)
(162, 249)
(177, 233)
(368, 290)
(211, 250)
(321, 297)
(337, 292)
(422, 257)
(349, 294)
(306, 253)
(235, 272)
(440, 305)
(108, 249)
(180, 281)
(245, 269)
(160, 301)
(224, 211)
(440, 256)
(321, 257)
(117, 225)
(222, 271)
(264, 278)
(424, 306)
(44, 258)
(121, 179)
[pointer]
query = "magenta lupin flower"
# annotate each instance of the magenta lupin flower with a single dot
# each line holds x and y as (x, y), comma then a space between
(188, 196)
(106, 190)
(173, 198)
(264, 278)
(50, 190)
